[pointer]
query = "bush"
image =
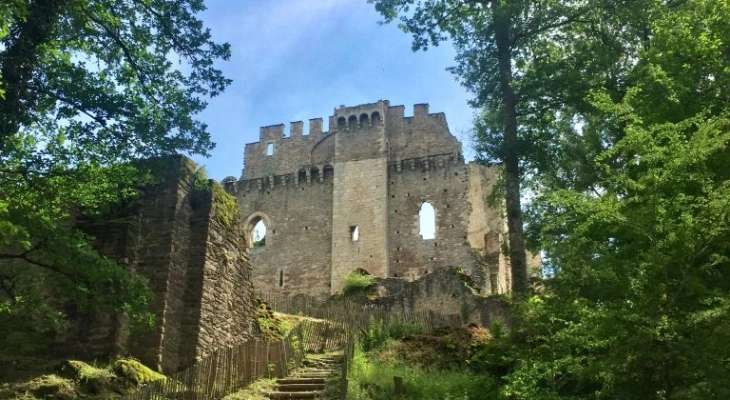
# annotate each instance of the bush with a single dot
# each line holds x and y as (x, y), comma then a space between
(380, 331)
(371, 379)
(357, 283)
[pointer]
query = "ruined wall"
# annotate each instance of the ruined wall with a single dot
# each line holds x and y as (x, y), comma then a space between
(174, 237)
(227, 311)
(298, 217)
(289, 153)
(418, 136)
(384, 166)
(447, 291)
(442, 183)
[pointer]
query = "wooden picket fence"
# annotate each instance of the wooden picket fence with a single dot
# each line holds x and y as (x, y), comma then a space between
(331, 326)
(355, 314)
(356, 317)
(229, 369)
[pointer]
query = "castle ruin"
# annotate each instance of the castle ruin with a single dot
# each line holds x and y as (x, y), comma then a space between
(349, 199)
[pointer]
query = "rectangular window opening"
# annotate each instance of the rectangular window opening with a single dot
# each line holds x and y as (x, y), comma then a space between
(270, 149)
(354, 233)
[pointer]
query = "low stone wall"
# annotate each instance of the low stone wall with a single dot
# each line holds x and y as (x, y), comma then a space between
(447, 291)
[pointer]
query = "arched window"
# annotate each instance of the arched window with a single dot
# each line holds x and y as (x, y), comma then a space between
(302, 177)
(427, 221)
(341, 123)
(352, 122)
(258, 233)
(315, 174)
(363, 120)
(328, 171)
(375, 118)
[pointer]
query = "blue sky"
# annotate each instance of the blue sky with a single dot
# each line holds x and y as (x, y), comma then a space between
(299, 59)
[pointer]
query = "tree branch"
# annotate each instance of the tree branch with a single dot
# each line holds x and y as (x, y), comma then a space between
(557, 24)
(100, 120)
(24, 256)
(138, 70)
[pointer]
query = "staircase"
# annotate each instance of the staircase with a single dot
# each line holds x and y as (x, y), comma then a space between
(308, 382)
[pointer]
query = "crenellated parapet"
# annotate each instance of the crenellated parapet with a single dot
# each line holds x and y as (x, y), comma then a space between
(366, 131)
(360, 117)
(305, 175)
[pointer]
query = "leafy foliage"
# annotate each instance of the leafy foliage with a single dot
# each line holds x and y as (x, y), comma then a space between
(379, 331)
(86, 86)
(357, 283)
(372, 379)
(497, 43)
(623, 132)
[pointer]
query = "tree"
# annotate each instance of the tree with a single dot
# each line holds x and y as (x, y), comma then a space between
(495, 41)
(86, 86)
(634, 215)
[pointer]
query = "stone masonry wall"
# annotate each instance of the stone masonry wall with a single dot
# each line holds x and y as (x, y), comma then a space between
(171, 235)
(360, 202)
(383, 166)
(418, 136)
(444, 185)
(297, 254)
(289, 152)
(446, 291)
(227, 311)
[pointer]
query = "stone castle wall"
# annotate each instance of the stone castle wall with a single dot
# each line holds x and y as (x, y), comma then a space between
(299, 232)
(197, 268)
(445, 291)
(373, 169)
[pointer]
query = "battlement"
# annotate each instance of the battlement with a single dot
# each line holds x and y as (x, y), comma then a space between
(305, 175)
(360, 117)
(363, 132)
(296, 131)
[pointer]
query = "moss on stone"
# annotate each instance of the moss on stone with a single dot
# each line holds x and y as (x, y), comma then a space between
(225, 207)
(50, 387)
(135, 371)
(90, 378)
(80, 371)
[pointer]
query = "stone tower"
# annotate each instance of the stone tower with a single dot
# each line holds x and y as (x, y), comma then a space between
(349, 199)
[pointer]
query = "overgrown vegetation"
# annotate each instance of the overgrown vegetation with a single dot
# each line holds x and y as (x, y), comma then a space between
(225, 206)
(432, 366)
(380, 331)
(76, 379)
(357, 283)
(617, 114)
(272, 325)
(255, 391)
(86, 87)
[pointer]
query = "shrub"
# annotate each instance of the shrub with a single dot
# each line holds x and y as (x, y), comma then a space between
(357, 283)
(371, 379)
(380, 331)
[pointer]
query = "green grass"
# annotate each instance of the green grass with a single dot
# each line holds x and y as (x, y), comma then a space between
(371, 379)
(380, 331)
(255, 391)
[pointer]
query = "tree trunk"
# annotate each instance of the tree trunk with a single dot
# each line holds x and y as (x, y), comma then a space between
(518, 260)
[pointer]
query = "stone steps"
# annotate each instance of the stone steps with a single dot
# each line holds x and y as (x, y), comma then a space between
(309, 381)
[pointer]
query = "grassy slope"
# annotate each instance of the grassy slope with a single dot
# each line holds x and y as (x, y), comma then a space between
(433, 367)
